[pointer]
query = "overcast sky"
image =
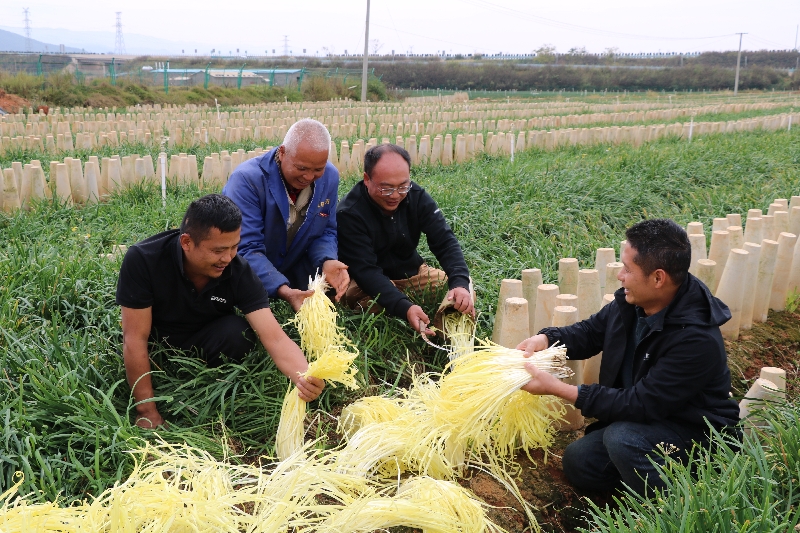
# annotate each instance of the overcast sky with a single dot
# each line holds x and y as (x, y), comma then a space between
(457, 26)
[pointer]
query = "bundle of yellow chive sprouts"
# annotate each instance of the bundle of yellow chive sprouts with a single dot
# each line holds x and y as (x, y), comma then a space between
(330, 354)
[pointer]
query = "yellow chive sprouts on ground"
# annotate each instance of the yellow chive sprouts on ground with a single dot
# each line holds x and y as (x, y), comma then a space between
(425, 503)
(176, 489)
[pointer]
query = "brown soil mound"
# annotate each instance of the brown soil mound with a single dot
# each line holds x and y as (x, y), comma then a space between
(11, 103)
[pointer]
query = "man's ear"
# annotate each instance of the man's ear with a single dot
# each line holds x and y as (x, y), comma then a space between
(186, 242)
(661, 278)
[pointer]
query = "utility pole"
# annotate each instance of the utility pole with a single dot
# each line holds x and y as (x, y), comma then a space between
(366, 55)
(28, 44)
(795, 37)
(738, 62)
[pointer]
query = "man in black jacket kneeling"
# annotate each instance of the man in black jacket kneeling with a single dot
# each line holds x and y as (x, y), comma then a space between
(664, 374)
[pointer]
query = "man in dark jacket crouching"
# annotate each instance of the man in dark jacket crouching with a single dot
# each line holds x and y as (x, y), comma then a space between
(664, 374)
(381, 221)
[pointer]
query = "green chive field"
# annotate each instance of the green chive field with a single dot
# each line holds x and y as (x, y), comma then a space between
(66, 416)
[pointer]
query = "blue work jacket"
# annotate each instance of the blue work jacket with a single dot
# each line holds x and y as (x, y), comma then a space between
(257, 188)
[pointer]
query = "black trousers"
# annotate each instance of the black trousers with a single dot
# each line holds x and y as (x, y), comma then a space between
(621, 453)
(230, 335)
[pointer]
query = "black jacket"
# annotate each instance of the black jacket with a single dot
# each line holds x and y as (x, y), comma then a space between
(680, 372)
(379, 248)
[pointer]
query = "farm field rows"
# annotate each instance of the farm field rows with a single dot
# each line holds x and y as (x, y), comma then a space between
(192, 137)
(65, 130)
(66, 408)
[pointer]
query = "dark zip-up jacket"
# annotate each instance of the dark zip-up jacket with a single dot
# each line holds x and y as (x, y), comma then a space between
(379, 248)
(680, 370)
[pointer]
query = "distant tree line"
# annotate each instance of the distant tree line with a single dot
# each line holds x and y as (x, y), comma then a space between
(502, 76)
(780, 59)
(546, 54)
(550, 70)
(547, 70)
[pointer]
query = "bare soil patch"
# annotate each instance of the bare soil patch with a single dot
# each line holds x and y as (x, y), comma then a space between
(11, 103)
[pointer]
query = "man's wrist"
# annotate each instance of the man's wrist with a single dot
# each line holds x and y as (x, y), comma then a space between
(567, 392)
(402, 307)
(456, 282)
(549, 335)
(321, 265)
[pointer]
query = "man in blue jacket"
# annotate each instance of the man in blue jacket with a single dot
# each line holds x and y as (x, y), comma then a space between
(288, 202)
(664, 376)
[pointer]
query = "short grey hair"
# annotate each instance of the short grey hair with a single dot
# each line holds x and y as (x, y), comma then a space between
(310, 132)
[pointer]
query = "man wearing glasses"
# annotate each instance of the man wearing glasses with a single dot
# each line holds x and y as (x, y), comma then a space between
(380, 223)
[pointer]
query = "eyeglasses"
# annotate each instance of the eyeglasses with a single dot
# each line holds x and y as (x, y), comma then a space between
(388, 191)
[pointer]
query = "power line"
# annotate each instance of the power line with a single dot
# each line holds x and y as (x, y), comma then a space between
(575, 27)
(433, 38)
(391, 19)
(719, 38)
(119, 44)
(765, 41)
(722, 43)
(28, 43)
